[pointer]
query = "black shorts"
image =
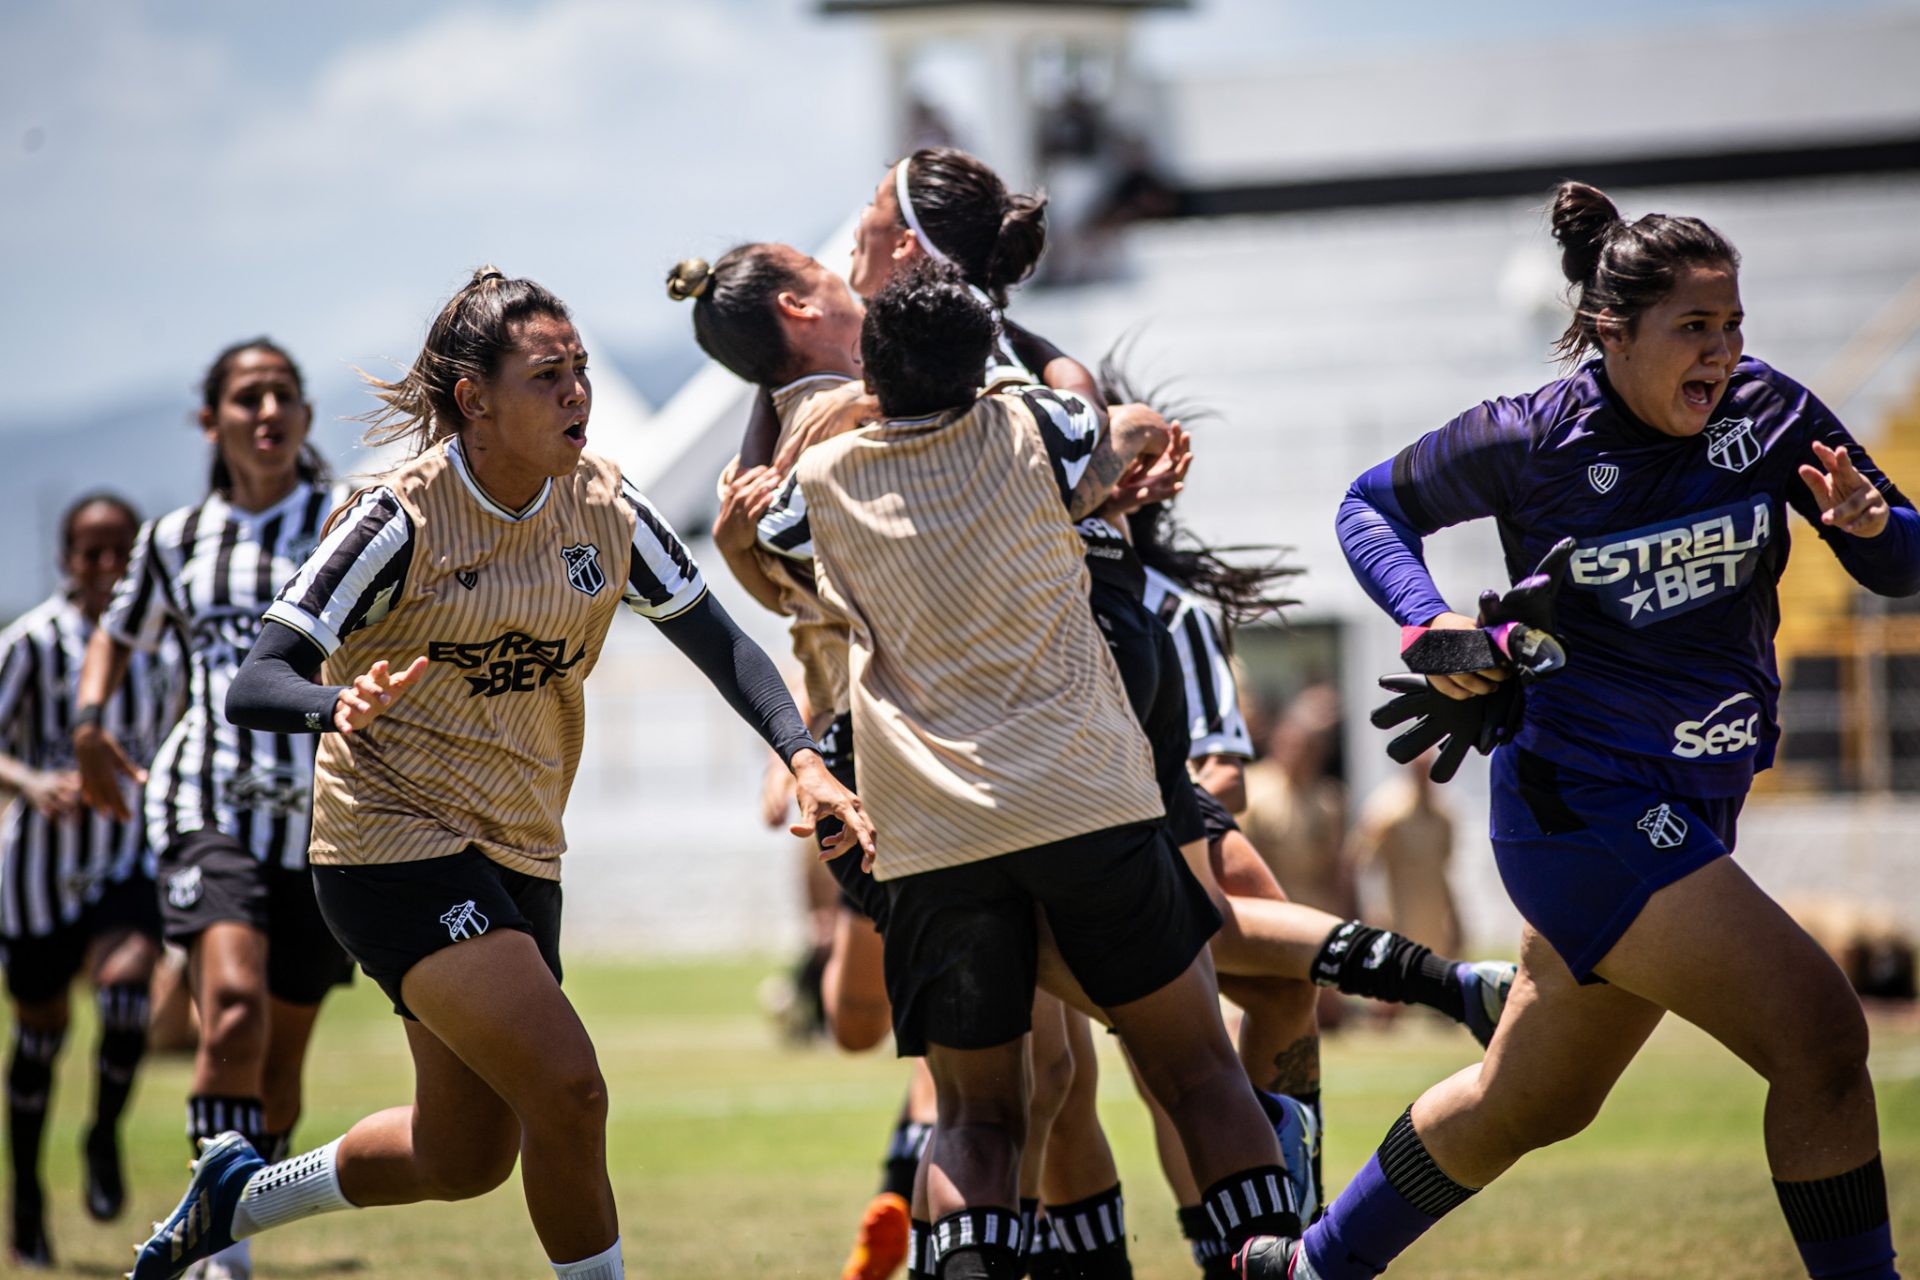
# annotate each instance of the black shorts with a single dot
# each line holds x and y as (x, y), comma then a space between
(961, 942)
(392, 915)
(208, 878)
(858, 889)
(1215, 817)
(1149, 664)
(40, 968)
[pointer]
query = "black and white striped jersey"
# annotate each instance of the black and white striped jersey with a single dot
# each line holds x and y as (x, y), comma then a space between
(370, 549)
(1213, 695)
(51, 869)
(206, 573)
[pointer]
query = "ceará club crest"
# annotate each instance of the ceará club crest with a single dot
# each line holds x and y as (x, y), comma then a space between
(583, 568)
(1733, 446)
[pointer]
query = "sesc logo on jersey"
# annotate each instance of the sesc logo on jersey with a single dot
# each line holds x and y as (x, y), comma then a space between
(1665, 569)
(1717, 734)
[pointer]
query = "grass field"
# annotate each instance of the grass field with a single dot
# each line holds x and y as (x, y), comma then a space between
(735, 1157)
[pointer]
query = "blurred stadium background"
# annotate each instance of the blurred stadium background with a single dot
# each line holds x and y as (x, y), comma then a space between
(1322, 222)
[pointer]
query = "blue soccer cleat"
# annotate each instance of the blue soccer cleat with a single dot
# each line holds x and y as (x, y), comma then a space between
(1299, 1135)
(202, 1224)
(1484, 985)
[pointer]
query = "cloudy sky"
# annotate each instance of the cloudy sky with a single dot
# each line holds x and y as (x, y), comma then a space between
(175, 176)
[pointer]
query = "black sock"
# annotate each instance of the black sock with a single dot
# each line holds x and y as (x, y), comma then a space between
(908, 1140)
(209, 1114)
(1410, 1169)
(979, 1244)
(1036, 1238)
(1840, 1224)
(29, 1086)
(1090, 1235)
(1364, 961)
(919, 1250)
(1209, 1248)
(1254, 1202)
(279, 1145)
(123, 1042)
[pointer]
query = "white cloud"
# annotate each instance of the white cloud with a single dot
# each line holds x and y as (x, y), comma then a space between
(193, 189)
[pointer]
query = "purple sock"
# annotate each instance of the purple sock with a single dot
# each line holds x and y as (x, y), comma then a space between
(1396, 1196)
(1867, 1256)
(1368, 1225)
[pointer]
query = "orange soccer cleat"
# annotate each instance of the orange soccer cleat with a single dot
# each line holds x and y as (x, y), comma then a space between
(881, 1246)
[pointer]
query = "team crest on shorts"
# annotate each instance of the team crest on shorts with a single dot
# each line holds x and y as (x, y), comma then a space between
(1603, 476)
(1665, 829)
(583, 568)
(465, 921)
(1733, 445)
(183, 888)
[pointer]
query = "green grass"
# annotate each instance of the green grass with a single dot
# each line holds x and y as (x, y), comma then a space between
(734, 1156)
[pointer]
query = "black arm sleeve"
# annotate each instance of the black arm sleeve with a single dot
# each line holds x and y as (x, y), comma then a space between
(274, 690)
(742, 672)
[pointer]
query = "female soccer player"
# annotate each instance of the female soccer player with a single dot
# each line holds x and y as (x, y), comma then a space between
(226, 807)
(1670, 460)
(452, 615)
(76, 889)
(779, 318)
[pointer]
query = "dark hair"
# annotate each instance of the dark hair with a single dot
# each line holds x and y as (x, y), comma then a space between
(925, 340)
(1622, 267)
(213, 385)
(993, 235)
(466, 340)
(735, 319)
(98, 498)
(1240, 592)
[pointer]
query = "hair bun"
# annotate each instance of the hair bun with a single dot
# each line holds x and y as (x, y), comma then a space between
(689, 279)
(1582, 218)
(487, 274)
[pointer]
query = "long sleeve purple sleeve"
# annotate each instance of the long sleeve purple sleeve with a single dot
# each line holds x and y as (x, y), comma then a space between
(1887, 565)
(1383, 548)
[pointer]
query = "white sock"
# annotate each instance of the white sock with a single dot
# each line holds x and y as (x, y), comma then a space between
(601, 1266)
(295, 1188)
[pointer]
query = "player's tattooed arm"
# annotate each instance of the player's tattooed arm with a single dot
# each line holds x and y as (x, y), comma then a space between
(1133, 431)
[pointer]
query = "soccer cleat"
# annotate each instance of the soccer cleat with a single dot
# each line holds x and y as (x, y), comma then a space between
(201, 1225)
(1271, 1258)
(1299, 1135)
(1484, 986)
(106, 1190)
(30, 1249)
(881, 1246)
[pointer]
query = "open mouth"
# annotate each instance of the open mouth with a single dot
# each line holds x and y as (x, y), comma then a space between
(1699, 393)
(577, 432)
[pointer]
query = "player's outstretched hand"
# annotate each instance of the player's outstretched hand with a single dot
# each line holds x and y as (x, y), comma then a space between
(1530, 600)
(102, 765)
(368, 697)
(747, 497)
(1455, 725)
(819, 795)
(1848, 500)
(1155, 479)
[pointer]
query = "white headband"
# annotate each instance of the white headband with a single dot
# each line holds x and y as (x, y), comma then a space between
(913, 221)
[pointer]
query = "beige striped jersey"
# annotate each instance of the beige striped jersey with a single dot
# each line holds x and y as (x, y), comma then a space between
(988, 714)
(811, 409)
(510, 609)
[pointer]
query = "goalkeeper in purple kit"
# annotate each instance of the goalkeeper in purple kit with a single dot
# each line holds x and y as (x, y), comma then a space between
(1626, 715)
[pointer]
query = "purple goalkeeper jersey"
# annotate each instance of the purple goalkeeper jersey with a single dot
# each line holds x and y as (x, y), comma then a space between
(1670, 602)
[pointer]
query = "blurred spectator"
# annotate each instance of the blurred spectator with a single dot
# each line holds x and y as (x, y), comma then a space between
(1405, 834)
(1296, 811)
(1868, 944)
